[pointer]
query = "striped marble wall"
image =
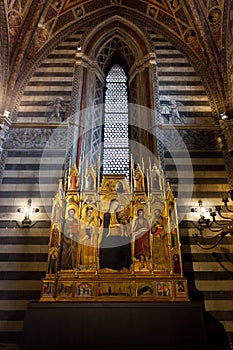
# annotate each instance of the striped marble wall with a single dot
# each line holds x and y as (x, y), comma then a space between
(34, 162)
(23, 256)
(209, 271)
(31, 173)
(178, 81)
(52, 79)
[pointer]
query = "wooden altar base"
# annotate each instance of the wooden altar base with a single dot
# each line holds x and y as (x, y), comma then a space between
(114, 326)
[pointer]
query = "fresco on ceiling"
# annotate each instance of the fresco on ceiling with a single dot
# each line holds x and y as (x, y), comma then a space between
(16, 12)
(169, 13)
(62, 13)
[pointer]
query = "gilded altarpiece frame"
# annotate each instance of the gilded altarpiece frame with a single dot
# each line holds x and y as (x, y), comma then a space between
(114, 239)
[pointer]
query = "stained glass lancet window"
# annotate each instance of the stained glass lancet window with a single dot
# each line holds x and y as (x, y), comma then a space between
(116, 144)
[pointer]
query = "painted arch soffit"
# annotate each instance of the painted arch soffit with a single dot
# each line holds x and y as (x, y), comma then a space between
(60, 14)
(170, 16)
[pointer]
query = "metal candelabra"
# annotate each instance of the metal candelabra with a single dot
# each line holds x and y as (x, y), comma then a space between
(214, 228)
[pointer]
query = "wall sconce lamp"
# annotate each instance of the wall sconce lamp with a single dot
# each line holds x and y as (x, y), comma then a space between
(216, 226)
(27, 211)
(223, 116)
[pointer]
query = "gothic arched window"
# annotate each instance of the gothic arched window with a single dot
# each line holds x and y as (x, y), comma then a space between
(116, 143)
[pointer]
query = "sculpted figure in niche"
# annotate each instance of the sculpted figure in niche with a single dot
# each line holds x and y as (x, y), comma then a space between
(57, 109)
(73, 179)
(171, 112)
(138, 180)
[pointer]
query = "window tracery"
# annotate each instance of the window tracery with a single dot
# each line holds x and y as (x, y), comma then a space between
(116, 146)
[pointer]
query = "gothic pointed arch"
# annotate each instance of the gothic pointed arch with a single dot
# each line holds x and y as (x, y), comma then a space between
(115, 41)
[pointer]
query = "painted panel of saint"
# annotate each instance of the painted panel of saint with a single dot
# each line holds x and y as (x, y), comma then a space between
(160, 251)
(69, 241)
(141, 233)
(88, 238)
